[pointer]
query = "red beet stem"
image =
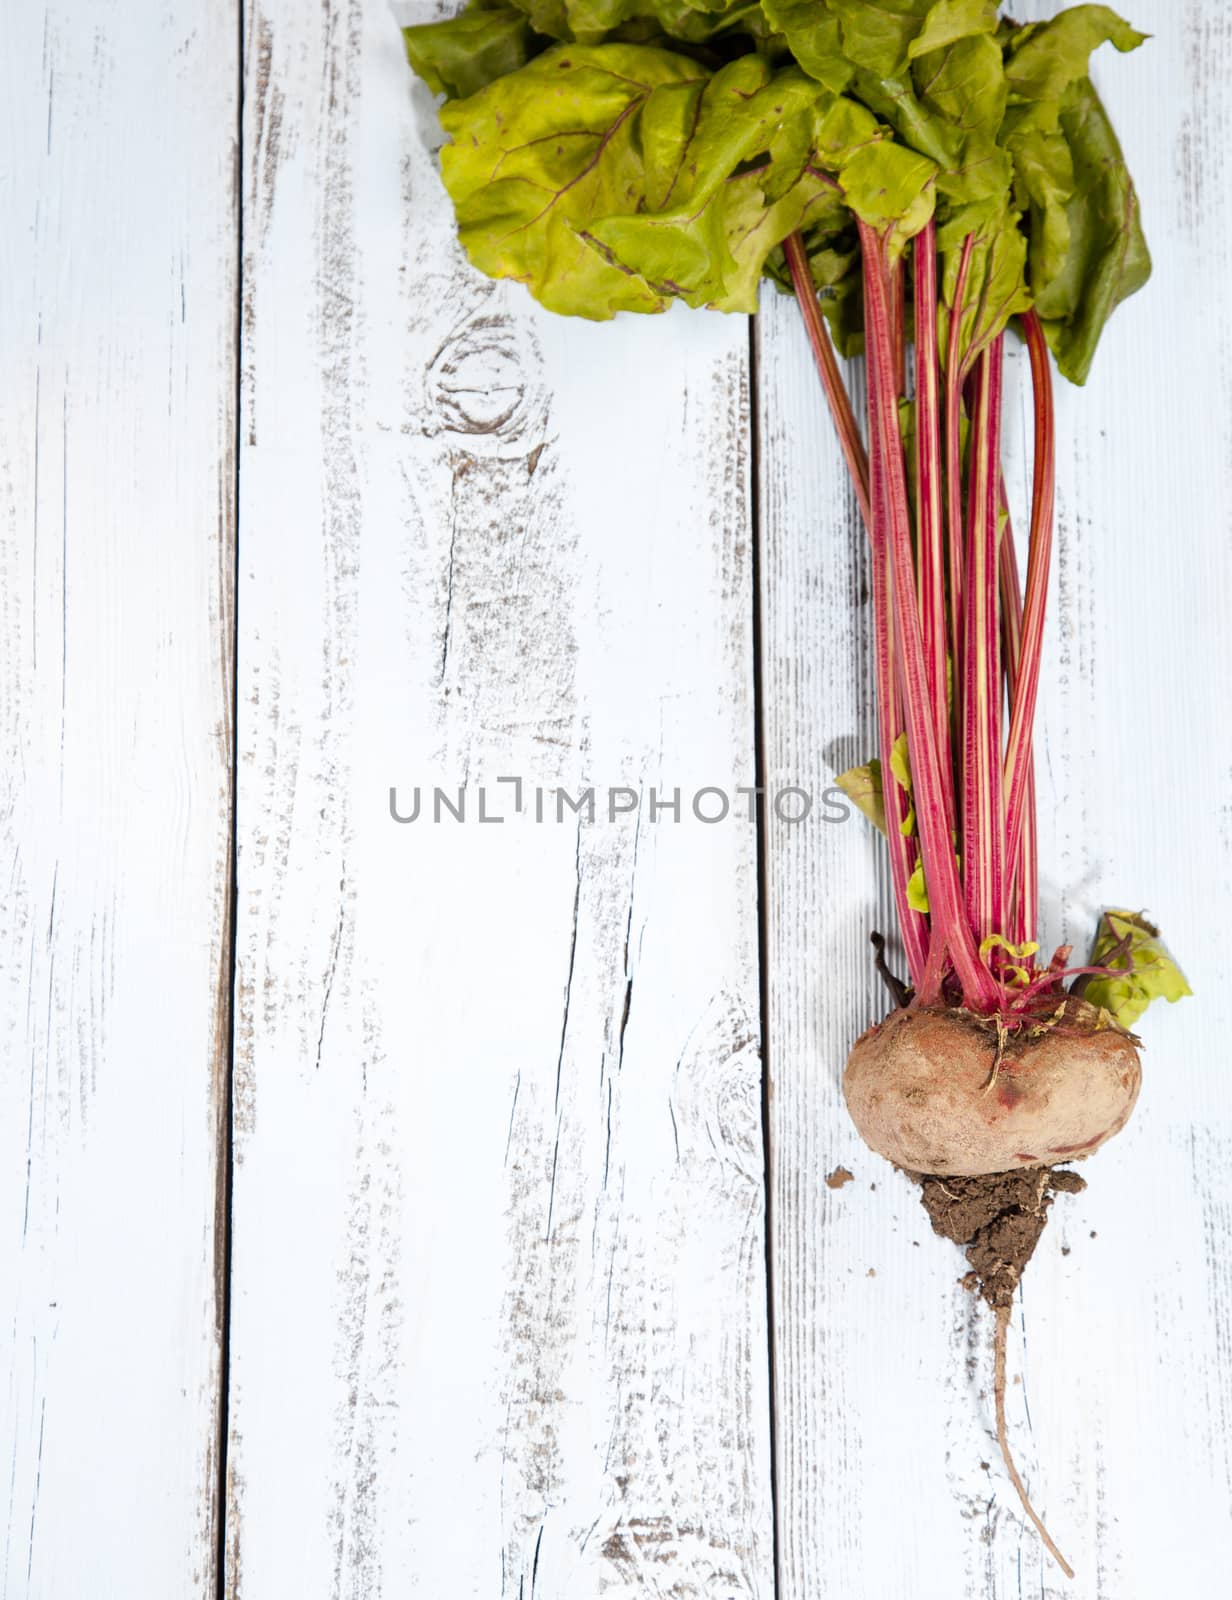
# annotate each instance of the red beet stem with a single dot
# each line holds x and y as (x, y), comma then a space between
(930, 533)
(827, 368)
(983, 795)
(1039, 555)
(933, 805)
(957, 647)
(1022, 913)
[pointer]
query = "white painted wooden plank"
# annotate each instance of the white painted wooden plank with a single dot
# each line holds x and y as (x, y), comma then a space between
(498, 1294)
(884, 1408)
(117, 323)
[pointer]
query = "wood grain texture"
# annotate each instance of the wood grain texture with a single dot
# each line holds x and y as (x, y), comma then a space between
(888, 1477)
(499, 1294)
(117, 322)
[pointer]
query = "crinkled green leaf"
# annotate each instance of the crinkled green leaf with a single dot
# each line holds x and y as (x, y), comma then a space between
(896, 102)
(996, 287)
(700, 211)
(788, 153)
(862, 786)
(883, 183)
(951, 20)
(965, 84)
(586, 21)
(963, 88)
(538, 156)
(877, 34)
(550, 17)
(755, 227)
(463, 54)
(812, 32)
(611, 183)
(1044, 170)
(887, 185)
(949, 107)
(880, 37)
(1150, 972)
(1053, 55)
(624, 21)
(1106, 257)
(680, 20)
(842, 127)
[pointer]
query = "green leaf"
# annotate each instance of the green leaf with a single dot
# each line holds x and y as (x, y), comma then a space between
(900, 767)
(917, 890)
(900, 762)
(1053, 55)
(1150, 972)
(755, 228)
(464, 54)
(1044, 169)
(877, 34)
(887, 185)
(692, 23)
(707, 229)
(862, 786)
(627, 21)
(951, 20)
(996, 287)
(895, 100)
(539, 155)
(947, 111)
(586, 21)
(843, 126)
(1106, 257)
(624, 174)
(963, 88)
(550, 17)
(812, 33)
(965, 84)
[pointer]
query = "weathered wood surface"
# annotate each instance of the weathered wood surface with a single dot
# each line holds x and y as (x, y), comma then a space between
(498, 1321)
(118, 327)
(499, 1294)
(888, 1480)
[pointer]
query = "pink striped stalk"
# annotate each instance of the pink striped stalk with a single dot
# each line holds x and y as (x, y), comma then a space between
(827, 369)
(955, 377)
(894, 289)
(983, 791)
(913, 924)
(1023, 910)
(930, 533)
(1039, 557)
(892, 522)
(903, 851)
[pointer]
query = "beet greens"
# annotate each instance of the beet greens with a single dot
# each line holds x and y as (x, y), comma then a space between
(917, 171)
(923, 176)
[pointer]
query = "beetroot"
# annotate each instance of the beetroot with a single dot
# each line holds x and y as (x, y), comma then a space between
(940, 1091)
(920, 174)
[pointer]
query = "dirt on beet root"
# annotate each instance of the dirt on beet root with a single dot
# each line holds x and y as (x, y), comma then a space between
(999, 1218)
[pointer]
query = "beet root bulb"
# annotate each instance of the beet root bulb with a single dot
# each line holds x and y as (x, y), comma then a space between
(936, 1091)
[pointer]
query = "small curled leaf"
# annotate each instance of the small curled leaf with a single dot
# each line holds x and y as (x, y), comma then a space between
(1125, 939)
(463, 54)
(862, 786)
